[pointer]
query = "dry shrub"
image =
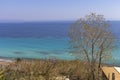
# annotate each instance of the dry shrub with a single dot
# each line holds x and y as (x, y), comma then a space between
(46, 70)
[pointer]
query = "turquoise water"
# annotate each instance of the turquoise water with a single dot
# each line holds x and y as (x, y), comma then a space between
(40, 48)
(35, 48)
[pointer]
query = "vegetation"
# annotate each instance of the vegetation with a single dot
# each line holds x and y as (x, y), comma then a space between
(92, 41)
(45, 70)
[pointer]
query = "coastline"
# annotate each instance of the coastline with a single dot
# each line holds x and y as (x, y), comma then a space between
(6, 60)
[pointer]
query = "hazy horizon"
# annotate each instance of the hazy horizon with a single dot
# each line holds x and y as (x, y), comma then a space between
(50, 21)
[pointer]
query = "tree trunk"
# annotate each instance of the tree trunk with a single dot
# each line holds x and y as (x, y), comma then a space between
(99, 64)
(92, 72)
(92, 62)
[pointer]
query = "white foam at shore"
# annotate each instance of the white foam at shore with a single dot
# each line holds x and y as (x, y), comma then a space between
(5, 60)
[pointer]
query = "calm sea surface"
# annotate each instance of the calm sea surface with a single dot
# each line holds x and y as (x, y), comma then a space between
(41, 40)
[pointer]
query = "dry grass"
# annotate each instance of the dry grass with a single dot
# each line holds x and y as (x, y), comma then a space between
(46, 70)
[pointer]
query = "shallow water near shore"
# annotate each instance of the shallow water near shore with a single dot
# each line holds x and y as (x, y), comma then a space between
(35, 48)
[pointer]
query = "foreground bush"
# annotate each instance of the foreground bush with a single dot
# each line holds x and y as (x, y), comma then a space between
(46, 70)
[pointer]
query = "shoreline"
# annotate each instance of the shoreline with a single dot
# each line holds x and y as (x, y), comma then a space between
(6, 60)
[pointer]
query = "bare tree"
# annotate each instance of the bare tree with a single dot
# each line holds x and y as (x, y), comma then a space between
(92, 40)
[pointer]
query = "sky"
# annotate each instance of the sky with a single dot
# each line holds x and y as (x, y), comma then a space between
(53, 10)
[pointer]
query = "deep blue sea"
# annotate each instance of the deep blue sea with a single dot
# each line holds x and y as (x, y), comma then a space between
(41, 40)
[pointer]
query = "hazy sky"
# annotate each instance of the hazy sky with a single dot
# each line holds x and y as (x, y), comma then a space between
(47, 10)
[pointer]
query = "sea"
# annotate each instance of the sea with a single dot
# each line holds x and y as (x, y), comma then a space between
(42, 40)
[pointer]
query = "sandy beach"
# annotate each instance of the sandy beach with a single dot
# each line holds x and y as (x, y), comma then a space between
(5, 61)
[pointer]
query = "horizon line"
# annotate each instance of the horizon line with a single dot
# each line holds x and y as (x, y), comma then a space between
(22, 21)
